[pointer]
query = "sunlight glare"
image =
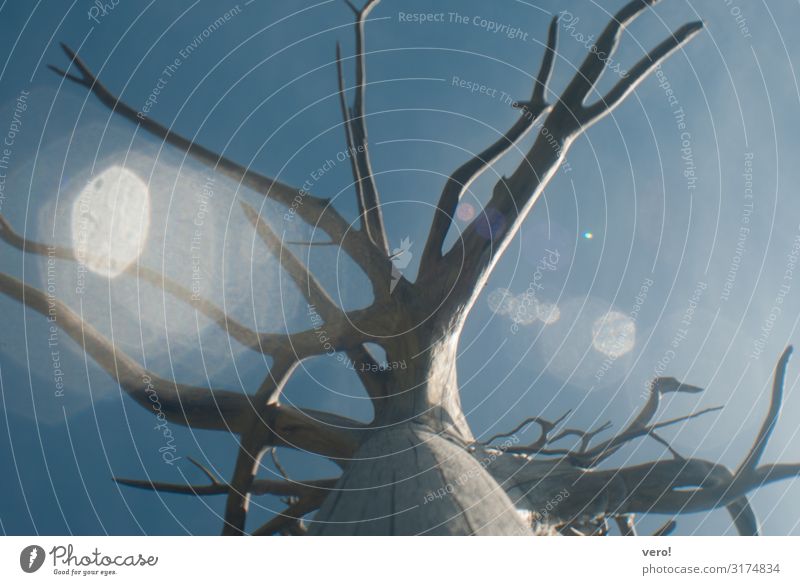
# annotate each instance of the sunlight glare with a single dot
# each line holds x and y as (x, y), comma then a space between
(110, 221)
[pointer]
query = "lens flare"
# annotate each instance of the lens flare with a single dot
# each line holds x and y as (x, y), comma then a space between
(614, 334)
(110, 220)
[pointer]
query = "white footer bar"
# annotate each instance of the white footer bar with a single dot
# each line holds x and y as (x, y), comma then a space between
(373, 561)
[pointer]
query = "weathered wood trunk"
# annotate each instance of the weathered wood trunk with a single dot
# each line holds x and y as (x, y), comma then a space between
(408, 480)
(416, 467)
(414, 474)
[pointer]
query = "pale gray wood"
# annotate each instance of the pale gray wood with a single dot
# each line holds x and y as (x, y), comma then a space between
(416, 468)
(408, 480)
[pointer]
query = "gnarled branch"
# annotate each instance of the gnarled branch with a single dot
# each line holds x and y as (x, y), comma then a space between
(218, 487)
(316, 295)
(344, 334)
(253, 444)
(308, 494)
(313, 210)
(292, 515)
(488, 235)
(590, 456)
(200, 408)
(665, 487)
(459, 182)
(241, 333)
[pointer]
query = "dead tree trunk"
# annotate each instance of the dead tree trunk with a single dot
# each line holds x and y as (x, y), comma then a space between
(416, 468)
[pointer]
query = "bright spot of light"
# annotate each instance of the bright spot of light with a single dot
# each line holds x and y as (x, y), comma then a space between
(110, 220)
(465, 211)
(500, 301)
(588, 235)
(526, 515)
(614, 334)
(548, 313)
(522, 309)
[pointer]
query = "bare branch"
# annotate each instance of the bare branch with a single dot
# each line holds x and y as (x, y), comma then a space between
(489, 234)
(212, 489)
(299, 243)
(259, 487)
(765, 474)
(757, 450)
(459, 182)
(206, 471)
(260, 183)
(318, 432)
(626, 524)
(258, 438)
(352, 7)
(666, 444)
(370, 374)
(253, 444)
(595, 62)
(357, 137)
(545, 425)
(198, 407)
(659, 484)
(316, 295)
(273, 453)
(291, 515)
(345, 335)
(313, 210)
(665, 486)
(351, 144)
(658, 388)
(585, 436)
(640, 425)
(539, 446)
(743, 516)
(639, 72)
(309, 286)
(599, 453)
(241, 333)
(361, 69)
(261, 433)
(675, 486)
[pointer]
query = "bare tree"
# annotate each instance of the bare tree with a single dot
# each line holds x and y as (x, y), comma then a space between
(417, 468)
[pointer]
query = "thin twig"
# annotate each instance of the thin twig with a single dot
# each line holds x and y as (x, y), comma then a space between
(757, 450)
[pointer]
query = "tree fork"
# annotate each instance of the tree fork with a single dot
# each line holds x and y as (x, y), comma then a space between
(416, 468)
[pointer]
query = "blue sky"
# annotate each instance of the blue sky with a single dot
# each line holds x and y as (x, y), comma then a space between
(660, 186)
